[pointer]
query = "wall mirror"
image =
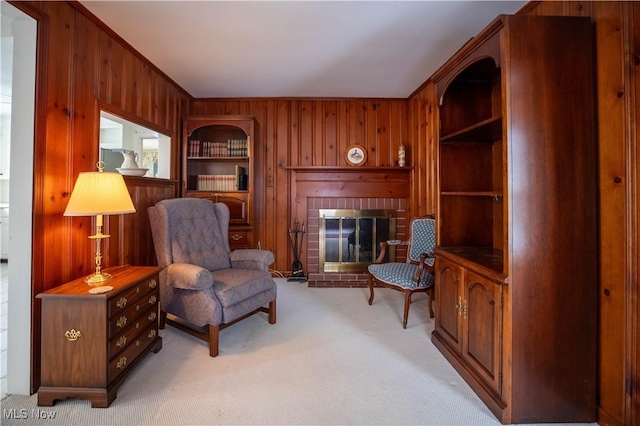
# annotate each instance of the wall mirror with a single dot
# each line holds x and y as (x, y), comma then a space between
(133, 149)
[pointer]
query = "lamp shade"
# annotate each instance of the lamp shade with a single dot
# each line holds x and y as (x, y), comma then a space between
(99, 193)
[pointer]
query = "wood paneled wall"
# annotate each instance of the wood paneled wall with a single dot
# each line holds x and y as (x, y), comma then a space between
(80, 64)
(312, 132)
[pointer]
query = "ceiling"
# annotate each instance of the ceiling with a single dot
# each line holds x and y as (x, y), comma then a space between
(312, 49)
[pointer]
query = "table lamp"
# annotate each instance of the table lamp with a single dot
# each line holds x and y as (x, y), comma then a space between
(97, 194)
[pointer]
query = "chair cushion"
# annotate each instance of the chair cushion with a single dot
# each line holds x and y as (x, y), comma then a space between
(400, 274)
(233, 286)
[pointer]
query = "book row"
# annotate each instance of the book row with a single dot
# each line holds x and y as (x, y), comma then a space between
(222, 182)
(229, 148)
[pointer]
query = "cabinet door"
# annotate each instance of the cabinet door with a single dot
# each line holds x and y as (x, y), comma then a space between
(448, 301)
(238, 204)
(482, 346)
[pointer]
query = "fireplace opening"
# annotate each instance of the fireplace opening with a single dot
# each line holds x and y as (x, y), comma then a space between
(349, 239)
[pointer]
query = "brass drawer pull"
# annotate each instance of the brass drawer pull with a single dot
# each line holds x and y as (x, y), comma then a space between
(121, 341)
(122, 302)
(236, 237)
(121, 321)
(152, 316)
(72, 335)
(461, 307)
(152, 334)
(153, 299)
(122, 362)
(153, 283)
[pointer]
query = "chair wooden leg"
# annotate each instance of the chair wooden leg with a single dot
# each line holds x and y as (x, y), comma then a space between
(407, 303)
(272, 312)
(162, 320)
(214, 335)
(370, 289)
(431, 297)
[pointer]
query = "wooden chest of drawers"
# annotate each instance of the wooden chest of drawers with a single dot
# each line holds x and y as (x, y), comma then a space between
(91, 342)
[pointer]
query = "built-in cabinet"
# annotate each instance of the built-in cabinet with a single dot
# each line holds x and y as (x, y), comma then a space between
(218, 165)
(516, 263)
(469, 317)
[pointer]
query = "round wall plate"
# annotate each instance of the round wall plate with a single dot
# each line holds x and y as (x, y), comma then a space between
(356, 155)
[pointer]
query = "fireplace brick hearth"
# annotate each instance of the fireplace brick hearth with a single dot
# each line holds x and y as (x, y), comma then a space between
(335, 187)
(317, 278)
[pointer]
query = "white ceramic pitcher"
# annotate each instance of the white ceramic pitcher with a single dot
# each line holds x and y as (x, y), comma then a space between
(130, 158)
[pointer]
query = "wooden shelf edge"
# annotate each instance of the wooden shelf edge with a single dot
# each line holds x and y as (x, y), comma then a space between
(347, 169)
(494, 194)
(225, 158)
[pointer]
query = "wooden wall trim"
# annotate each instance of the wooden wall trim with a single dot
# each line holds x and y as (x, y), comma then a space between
(93, 18)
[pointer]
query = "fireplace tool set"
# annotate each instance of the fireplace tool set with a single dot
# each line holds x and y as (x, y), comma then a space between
(296, 235)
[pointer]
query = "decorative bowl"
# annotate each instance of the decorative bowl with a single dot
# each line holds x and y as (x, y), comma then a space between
(132, 171)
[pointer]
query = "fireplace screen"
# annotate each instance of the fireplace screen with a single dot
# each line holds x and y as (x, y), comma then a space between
(349, 239)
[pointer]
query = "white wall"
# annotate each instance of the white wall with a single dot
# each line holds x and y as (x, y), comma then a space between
(21, 196)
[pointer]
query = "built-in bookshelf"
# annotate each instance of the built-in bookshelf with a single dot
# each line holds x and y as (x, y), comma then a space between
(516, 258)
(218, 165)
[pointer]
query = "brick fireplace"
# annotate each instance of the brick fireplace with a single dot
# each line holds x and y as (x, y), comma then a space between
(357, 188)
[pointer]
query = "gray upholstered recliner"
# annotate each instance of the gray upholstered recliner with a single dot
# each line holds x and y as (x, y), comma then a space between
(205, 286)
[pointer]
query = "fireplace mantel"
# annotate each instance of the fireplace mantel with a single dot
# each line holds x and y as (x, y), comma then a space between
(353, 169)
(340, 181)
(344, 187)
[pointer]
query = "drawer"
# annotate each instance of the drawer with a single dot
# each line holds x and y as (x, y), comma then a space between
(122, 340)
(144, 310)
(239, 239)
(120, 363)
(131, 296)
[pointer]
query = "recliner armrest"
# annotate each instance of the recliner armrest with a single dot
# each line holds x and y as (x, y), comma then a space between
(252, 259)
(188, 277)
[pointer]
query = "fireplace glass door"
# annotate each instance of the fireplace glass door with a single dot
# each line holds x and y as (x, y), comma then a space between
(349, 239)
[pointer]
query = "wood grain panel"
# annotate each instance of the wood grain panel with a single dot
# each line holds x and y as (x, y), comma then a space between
(84, 62)
(279, 212)
(84, 128)
(612, 221)
(421, 151)
(382, 149)
(58, 260)
(131, 242)
(634, 416)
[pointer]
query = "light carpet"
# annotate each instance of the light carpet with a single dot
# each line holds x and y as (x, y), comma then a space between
(330, 359)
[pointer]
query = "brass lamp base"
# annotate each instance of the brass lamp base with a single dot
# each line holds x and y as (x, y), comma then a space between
(97, 278)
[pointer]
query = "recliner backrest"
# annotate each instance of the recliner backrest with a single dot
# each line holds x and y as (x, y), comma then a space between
(195, 233)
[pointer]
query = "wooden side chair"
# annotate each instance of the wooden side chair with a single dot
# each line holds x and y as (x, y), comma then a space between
(417, 273)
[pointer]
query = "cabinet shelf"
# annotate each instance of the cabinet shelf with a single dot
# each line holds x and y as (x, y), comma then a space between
(218, 158)
(487, 131)
(195, 191)
(492, 194)
(486, 258)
